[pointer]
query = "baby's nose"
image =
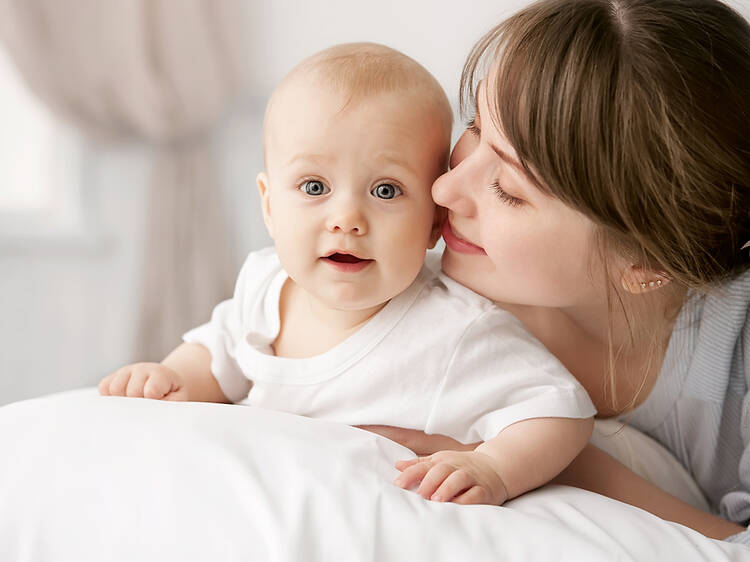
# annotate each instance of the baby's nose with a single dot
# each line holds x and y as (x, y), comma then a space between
(348, 220)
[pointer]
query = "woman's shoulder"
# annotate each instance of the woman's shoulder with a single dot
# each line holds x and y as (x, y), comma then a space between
(733, 291)
(721, 311)
(707, 354)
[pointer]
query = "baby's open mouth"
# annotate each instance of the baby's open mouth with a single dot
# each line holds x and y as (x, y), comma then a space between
(345, 258)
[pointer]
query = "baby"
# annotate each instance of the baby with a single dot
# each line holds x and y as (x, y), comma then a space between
(341, 320)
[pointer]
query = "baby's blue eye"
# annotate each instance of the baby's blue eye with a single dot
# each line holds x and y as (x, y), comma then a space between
(386, 191)
(315, 188)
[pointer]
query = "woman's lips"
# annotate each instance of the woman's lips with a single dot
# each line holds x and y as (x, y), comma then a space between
(459, 244)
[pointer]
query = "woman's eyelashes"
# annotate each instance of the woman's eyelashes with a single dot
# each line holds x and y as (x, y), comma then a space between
(504, 196)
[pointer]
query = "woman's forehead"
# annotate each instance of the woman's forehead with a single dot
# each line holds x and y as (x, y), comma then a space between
(490, 124)
(480, 93)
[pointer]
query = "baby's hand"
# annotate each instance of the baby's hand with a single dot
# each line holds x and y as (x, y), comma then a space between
(459, 476)
(144, 380)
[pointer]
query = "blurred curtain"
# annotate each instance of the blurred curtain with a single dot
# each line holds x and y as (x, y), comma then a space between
(164, 72)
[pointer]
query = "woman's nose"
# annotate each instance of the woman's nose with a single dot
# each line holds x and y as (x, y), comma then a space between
(453, 189)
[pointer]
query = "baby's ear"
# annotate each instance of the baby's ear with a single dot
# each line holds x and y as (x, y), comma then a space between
(441, 213)
(265, 201)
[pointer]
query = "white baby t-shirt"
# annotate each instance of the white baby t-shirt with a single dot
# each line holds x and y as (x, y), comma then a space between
(438, 358)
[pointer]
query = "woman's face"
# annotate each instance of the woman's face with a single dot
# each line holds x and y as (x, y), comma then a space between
(506, 239)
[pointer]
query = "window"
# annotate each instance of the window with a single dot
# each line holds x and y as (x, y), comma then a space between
(40, 166)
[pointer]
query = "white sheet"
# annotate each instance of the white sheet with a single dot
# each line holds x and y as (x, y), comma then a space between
(85, 478)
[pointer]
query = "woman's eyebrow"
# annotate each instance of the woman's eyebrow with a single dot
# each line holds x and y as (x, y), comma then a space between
(508, 159)
(504, 156)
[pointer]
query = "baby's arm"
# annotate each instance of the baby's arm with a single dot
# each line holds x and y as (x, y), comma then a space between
(185, 374)
(523, 456)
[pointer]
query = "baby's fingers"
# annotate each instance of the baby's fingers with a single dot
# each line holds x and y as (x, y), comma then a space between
(433, 479)
(104, 385)
(156, 387)
(134, 389)
(119, 382)
(403, 465)
(412, 475)
(474, 495)
(456, 483)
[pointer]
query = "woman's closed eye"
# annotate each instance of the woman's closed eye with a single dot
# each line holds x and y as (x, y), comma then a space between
(504, 196)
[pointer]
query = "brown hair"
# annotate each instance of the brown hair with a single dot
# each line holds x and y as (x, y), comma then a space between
(637, 114)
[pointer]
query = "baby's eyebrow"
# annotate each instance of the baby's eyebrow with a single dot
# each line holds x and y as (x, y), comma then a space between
(381, 159)
(310, 157)
(395, 160)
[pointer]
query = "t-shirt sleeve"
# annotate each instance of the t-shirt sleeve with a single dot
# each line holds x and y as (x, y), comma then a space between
(500, 374)
(221, 334)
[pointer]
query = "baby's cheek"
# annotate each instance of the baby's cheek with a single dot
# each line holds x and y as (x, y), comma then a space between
(405, 267)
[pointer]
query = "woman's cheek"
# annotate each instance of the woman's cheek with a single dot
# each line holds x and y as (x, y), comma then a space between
(517, 253)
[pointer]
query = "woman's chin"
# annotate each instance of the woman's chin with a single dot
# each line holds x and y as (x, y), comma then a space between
(473, 275)
(456, 268)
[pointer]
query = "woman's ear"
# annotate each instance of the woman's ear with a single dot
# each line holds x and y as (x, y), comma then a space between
(265, 201)
(441, 213)
(636, 279)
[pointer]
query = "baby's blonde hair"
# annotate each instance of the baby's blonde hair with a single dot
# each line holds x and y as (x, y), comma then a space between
(361, 70)
(364, 69)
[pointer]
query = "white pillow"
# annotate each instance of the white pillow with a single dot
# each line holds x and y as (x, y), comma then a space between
(87, 478)
(649, 459)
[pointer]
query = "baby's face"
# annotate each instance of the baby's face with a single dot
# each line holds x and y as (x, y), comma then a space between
(346, 194)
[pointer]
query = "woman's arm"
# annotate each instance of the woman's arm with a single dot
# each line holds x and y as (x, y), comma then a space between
(418, 441)
(592, 470)
(596, 471)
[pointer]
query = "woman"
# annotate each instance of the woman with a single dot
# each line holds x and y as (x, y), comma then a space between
(601, 193)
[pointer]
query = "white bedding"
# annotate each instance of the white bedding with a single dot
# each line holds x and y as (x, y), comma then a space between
(86, 478)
